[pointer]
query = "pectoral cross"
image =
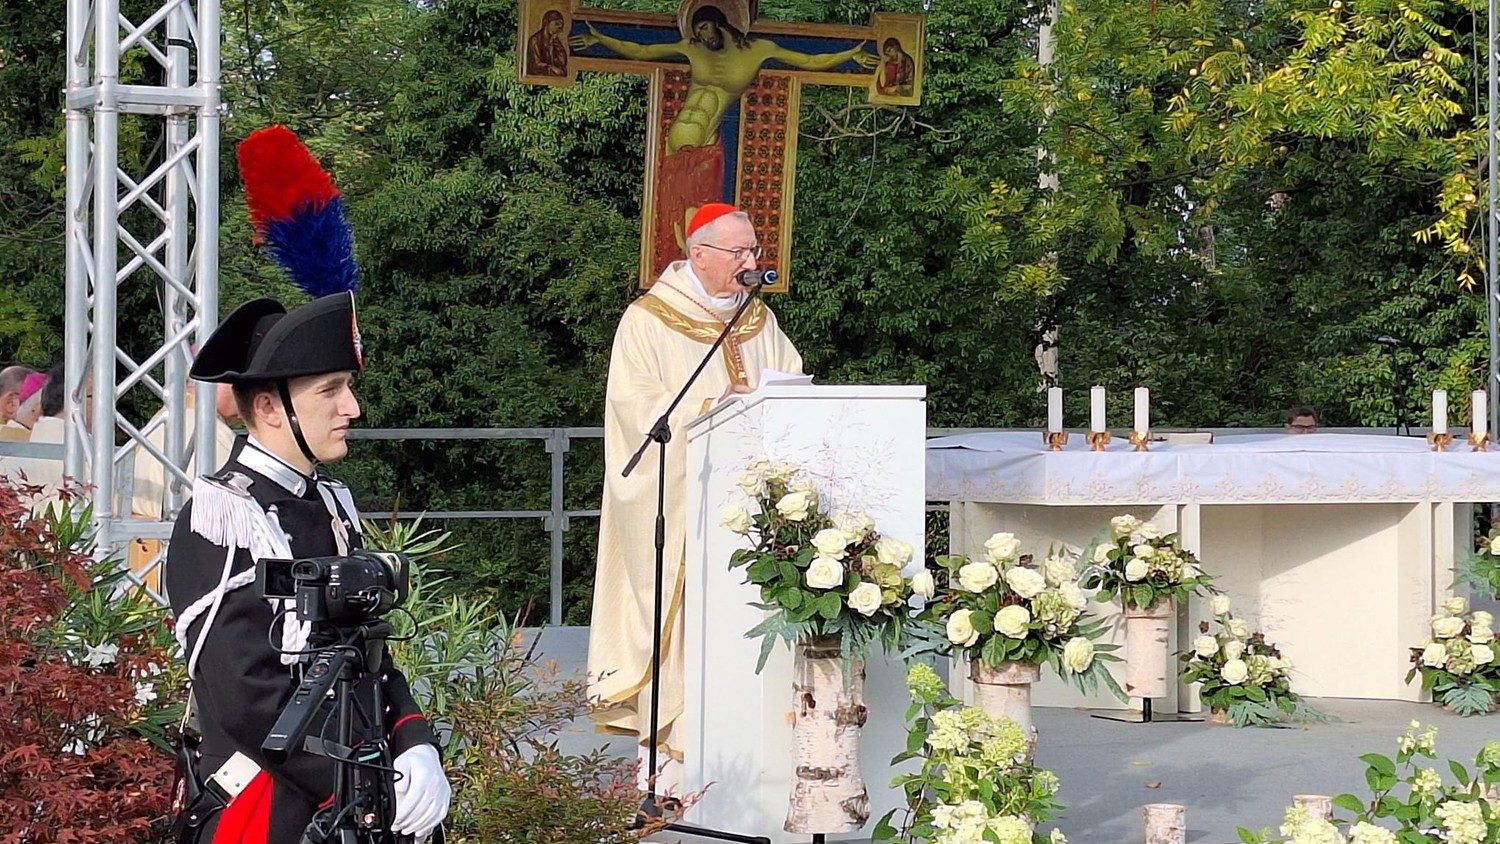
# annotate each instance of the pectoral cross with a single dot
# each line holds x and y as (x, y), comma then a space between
(725, 95)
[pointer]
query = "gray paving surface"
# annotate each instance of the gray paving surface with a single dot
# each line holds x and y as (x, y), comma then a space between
(1226, 777)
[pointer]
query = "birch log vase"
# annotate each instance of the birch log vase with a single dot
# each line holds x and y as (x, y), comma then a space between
(1166, 823)
(1005, 691)
(1146, 646)
(828, 793)
(1317, 805)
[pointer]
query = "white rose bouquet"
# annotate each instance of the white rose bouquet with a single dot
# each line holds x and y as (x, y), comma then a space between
(1458, 661)
(1004, 607)
(819, 572)
(1242, 675)
(976, 783)
(1142, 564)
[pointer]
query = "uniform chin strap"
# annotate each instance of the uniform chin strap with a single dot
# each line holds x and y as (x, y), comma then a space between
(291, 415)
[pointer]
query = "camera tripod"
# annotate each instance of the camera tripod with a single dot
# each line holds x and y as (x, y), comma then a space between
(364, 800)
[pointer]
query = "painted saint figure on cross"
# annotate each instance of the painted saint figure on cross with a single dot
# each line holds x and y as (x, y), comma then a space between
(725, 94)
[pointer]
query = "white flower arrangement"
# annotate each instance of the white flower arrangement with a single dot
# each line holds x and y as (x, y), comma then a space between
(819, 572)
(1458, 661)
(1141, 564)
(976, 784)
(1007, 608)
(1242, 675)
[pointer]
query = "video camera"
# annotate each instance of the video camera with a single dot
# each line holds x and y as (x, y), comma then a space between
(338, 590)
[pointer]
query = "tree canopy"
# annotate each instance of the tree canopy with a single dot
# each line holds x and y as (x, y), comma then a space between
(1224, 201)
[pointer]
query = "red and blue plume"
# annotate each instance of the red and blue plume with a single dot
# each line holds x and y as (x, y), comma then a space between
(297, 212)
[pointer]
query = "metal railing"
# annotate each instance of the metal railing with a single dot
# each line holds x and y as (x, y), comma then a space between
(556, 518)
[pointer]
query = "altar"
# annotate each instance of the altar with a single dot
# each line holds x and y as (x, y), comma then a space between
(1338, 546)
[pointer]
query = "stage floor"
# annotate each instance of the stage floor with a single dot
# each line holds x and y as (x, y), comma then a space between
(1226, 777)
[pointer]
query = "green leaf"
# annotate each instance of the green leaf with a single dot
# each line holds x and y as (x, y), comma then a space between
(761, 570)
(1379, 763)
(1143, 595)
(983, 622)
(993, 651)
(1459, 772)
(1349, 803)
(829, 605)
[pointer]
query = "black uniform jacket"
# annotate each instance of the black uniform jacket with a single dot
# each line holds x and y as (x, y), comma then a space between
(241, 684)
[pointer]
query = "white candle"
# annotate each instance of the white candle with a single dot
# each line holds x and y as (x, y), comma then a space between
(1054, 409)
(1440, 411)
(1142, 409)
(1096, 409)
(1479, 420)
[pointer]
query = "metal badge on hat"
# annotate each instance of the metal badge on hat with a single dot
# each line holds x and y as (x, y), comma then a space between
(359, 346)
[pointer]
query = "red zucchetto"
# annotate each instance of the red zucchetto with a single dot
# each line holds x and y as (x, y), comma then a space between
(707, 213)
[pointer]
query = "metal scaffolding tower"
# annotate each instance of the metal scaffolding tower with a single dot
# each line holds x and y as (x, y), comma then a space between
(1491, 285)
(171, 94)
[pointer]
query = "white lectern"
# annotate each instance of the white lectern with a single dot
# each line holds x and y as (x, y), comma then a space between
(865, 446)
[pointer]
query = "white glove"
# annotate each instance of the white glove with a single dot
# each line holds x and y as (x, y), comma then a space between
(422, 792)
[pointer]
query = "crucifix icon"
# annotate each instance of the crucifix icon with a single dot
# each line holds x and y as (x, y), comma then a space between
(725, 94)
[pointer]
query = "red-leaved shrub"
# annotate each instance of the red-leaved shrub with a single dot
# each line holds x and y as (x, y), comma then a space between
(75, 763)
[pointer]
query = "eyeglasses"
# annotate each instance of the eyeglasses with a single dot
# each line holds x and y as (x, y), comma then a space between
(1303, 429)
(739, 254)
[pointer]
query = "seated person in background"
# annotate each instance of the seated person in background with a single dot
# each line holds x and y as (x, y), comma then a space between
(41, 395)
(1302, 419)
(149, 494)
(11, 379)
(30, 395)
(151, 479)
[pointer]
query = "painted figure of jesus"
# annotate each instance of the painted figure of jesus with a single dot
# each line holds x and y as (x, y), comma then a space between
(723, 63)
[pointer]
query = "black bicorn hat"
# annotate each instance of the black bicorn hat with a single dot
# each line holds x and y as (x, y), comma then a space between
(263, 341)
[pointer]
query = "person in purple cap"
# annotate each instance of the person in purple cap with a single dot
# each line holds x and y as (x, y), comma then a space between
(11, 379)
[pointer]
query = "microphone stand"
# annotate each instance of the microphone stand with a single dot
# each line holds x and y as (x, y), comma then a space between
(661, 433)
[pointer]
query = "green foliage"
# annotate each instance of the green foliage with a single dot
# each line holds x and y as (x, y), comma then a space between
(499, 711)
(1408, 802)
(977, 779)
(1481, 569)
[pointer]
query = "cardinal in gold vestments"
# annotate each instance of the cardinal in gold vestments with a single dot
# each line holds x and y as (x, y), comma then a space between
(661, 338)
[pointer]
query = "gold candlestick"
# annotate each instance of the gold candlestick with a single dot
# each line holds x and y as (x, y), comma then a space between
(1479, 441)
(1055, 440)
(1098, 440)
(1139, 440)
(1440, 442)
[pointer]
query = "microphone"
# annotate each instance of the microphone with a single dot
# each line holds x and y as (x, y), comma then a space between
(756, 278)
(1387, 340)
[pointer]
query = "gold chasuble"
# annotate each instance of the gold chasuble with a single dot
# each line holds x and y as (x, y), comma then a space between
(662, 337)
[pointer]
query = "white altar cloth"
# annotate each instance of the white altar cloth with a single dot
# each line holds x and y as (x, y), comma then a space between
(1015, 467)
(1338, 546)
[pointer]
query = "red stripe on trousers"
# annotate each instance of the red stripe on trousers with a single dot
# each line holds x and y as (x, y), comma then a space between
(247, 818)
